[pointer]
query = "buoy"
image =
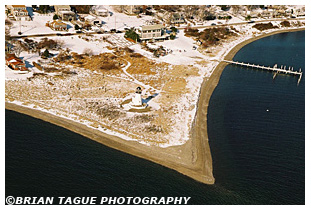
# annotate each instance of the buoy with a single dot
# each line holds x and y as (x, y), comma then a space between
(267, 110)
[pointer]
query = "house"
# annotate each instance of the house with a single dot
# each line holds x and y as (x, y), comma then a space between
(57, 25)
(252, 14)
(299, 12)
(64, 12)
(19, 12)
(101, 12)
(266, 14)
(152, 32)
(93, 20)
(280, 13)
(14, 62)
(177, 18)
(131, 9)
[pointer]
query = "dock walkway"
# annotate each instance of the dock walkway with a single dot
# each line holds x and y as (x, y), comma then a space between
(275, 69)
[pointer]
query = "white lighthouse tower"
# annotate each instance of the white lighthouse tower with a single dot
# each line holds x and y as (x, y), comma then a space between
(136, 100)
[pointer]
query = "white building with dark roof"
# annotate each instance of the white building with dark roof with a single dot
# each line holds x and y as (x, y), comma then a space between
(64, 12)
(152, 32)
(19, 12)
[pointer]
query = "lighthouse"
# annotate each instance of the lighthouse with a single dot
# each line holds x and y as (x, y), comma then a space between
(136, 100)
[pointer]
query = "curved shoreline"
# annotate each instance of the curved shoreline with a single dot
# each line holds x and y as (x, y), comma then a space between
(192, 159)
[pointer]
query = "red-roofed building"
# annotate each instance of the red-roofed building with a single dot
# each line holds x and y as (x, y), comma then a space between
(15, 63)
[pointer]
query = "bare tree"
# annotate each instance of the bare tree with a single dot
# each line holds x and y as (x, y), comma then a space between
(201, 12)
(18, 48)
(7, 33)
(235, 9)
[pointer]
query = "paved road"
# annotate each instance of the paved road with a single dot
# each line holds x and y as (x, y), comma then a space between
(180, 28)
(54, 34)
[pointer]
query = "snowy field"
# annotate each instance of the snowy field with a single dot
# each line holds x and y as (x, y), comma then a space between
(119, 21)
(37, 25)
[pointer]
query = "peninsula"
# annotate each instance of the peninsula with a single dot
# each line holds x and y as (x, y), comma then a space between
(82, 79)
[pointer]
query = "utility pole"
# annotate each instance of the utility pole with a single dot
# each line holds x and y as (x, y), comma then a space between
(20, 27)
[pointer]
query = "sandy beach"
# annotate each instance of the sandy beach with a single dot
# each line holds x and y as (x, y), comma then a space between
(192, 159)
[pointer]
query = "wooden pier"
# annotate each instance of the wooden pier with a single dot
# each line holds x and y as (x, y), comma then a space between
(275, 69)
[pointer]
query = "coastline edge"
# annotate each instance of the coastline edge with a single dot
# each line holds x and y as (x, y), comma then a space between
(192, 159)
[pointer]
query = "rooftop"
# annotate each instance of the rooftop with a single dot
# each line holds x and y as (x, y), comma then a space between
(152, 27)
(62, 7)
(17, 6)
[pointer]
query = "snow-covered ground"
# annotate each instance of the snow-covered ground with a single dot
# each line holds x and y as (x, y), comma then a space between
(182, 50)
(78, 45)
(119, 21)
(16, 75)
(37, 25)
(182, 54)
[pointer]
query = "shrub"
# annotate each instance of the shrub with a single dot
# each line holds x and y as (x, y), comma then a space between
(285, 24)
(88, 51)
(127, 49)
(49, 43)
(174, 29)
(108, 66)
(248, 17)
(132, 34)
(264, 26)
(210, 17)
(46, 53)
(136, 55)
(192, 32)
(77, 27)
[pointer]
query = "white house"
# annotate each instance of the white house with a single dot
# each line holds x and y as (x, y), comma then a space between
(155, 32)
(177, 18)
(19, 12)
(93, 20)
(101, 12)
(64, 12)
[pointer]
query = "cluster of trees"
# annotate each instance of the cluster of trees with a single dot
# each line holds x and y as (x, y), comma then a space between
(169, 8)
(192, 32)
(131, 34)
(83, 9)
(42, 8)
(225, 17)
(264, 26)
(49, 44)
(209, 17)
(209, 36)
(55, 17)
(45, 54)
(224, 7)
(285, 23)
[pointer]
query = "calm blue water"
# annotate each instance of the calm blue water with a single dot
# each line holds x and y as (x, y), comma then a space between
(258, 156)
